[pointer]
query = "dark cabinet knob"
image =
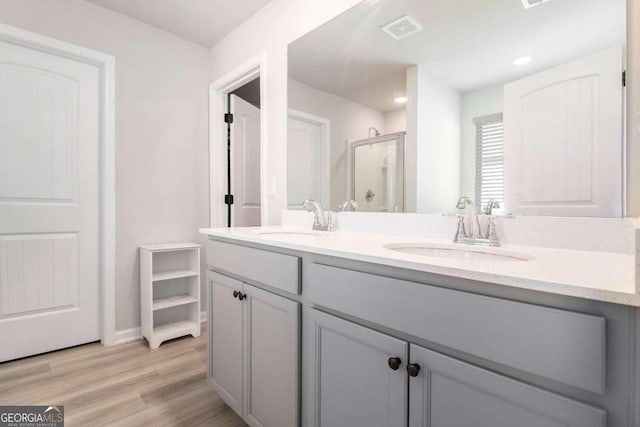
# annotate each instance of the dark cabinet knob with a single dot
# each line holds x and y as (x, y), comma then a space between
(413, 369)
(242, 296)
(236, 294)
(394, 363)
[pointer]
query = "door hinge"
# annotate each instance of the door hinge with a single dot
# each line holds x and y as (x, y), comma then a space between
(228, 118)
(228, 199)
(624, 78)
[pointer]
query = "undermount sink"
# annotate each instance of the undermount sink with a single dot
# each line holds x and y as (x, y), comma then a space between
(463, 252)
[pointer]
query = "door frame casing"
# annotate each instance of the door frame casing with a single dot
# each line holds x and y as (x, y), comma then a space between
(106, 64)
(325, 147)
(218, 91)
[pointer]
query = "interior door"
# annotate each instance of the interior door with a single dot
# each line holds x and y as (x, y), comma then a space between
(304, 162)
(245, 149)
(563, 148)
(226, 337)
(49, 201)
(447, 392)
(355, 383)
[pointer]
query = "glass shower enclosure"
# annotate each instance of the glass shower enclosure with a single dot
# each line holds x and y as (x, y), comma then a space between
(376, 175)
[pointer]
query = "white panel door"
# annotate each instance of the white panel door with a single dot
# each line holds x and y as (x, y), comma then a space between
(563, 146)
(49, 201)
(304, 163)
(245, 149)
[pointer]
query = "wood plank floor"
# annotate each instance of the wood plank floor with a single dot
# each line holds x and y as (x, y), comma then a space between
(125, 385)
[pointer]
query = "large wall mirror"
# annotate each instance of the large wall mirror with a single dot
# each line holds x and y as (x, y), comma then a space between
(520, 101)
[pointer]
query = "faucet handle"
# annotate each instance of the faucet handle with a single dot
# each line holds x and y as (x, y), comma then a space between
(330, 224)
(491, 205)
(349, 203)
(307, 204)
(316, 219)
(460, 232)
(491, 232)
(463, 202)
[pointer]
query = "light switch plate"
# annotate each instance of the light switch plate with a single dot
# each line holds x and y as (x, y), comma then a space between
(272, 186)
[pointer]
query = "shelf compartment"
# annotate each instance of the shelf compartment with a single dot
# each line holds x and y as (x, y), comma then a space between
(173, 301)
(175, 329)
(175, 274)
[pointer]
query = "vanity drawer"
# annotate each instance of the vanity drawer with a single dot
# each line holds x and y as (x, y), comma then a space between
(270, 268)
(561, 345)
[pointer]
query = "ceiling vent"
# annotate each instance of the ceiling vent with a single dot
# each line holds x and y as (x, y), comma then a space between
(528, 4)
(403, 27)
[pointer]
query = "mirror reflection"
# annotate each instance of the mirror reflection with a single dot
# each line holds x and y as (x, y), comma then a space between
(376, 174)
(407, 105)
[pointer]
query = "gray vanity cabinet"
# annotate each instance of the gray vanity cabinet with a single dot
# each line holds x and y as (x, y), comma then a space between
(369, 354)
(360, 375)
(447, 392)
(253, 365)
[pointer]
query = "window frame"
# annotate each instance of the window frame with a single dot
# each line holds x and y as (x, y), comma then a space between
(480, 145)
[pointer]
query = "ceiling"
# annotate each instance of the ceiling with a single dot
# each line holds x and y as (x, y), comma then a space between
(201, 21)
(469, 44)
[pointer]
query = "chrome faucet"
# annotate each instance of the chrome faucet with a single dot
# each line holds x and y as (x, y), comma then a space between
(491, 205)
(349, 204)
(474, 223)
(473, 236)
(322, 220)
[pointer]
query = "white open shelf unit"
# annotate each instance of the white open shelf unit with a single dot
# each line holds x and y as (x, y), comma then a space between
(169, 291)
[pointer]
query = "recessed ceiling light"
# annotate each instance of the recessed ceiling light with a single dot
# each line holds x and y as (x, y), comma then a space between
(402, 27)
(523, 60)
(528, 4)
(400, 100)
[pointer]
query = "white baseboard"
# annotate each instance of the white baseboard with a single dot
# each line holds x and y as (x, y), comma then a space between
(203, 317)
(128, 335)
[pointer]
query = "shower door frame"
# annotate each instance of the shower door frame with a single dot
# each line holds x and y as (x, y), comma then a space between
(399, 137)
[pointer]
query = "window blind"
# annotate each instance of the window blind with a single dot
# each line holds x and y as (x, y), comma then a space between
(489, 159)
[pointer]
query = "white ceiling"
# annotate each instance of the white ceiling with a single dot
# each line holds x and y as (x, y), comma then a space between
(202, 21)
(469, 44)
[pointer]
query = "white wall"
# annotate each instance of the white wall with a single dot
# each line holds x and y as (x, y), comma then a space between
(477, 103)
(271, 30)
(161, 128)
(395, 121)
(433, 143)
(350, 121)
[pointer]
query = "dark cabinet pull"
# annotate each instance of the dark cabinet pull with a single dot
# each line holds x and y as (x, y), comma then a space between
(236, 294)
(242, 296)
(394, 363)
(413, 369)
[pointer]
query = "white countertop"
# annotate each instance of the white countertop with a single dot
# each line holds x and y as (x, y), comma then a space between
(601, 276)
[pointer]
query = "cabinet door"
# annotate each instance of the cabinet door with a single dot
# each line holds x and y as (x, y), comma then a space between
(354, 384)
(447, 392)
(226, 338)
(272, 359)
